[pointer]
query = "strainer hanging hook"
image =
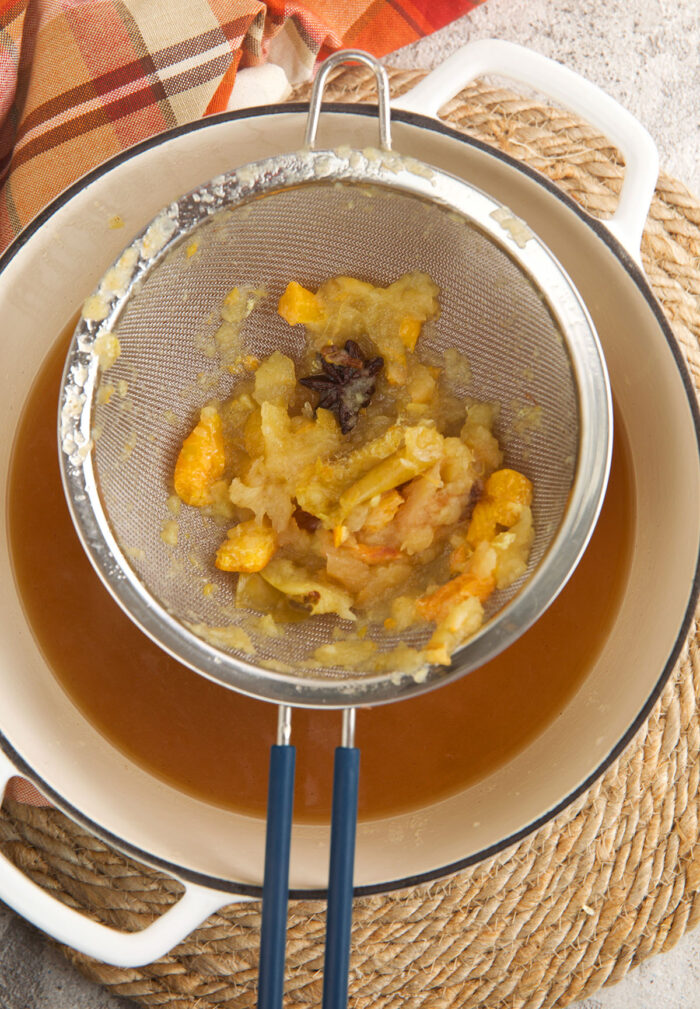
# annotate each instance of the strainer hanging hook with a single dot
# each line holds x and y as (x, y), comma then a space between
(383, 94)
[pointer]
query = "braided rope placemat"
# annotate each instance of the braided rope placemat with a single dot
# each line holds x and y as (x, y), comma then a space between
(610, 881)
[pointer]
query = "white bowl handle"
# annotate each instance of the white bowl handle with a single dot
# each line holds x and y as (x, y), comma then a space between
(558, 82)
(123, 949)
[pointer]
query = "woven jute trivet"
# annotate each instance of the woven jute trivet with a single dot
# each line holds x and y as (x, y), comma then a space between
(610, 881)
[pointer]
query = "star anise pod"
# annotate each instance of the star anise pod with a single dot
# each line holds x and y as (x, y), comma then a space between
(346, 382)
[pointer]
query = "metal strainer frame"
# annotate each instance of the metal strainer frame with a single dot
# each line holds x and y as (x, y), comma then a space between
(376, 168)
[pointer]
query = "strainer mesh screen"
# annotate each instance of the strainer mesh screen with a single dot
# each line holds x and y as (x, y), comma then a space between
(490, 311)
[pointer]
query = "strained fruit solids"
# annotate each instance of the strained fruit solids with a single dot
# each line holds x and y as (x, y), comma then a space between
(359, 480)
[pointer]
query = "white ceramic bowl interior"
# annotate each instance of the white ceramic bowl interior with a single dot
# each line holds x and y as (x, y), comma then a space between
(45, 279)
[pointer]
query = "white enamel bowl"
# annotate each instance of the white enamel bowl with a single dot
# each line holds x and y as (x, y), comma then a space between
(218, 854)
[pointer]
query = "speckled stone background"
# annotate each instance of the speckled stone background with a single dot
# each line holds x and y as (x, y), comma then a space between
(646, 54)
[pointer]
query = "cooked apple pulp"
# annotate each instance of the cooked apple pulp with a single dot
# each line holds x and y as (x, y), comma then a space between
(362, 482)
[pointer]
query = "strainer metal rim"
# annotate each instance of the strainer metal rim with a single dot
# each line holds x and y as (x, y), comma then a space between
(382, 169)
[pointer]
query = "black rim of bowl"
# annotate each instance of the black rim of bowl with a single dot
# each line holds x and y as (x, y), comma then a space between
(411, 119)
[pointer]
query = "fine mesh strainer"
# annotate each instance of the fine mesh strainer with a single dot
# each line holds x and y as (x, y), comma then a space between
(506, 303)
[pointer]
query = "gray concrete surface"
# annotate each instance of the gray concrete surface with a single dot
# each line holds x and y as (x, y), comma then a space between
(646, 54)
(34, 974)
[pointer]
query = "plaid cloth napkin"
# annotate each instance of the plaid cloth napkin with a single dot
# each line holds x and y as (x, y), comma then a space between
(80, 80)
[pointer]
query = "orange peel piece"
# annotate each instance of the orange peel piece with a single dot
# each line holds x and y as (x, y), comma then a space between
(201, 461)
(506, 492)
(248, 548)
(299, 305)
(437, 605)
(409, 331)
(375, 554)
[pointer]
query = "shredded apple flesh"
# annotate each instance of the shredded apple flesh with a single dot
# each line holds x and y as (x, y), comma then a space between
(406, 518)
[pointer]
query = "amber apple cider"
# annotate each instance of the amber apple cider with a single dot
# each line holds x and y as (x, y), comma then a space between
(213, 743)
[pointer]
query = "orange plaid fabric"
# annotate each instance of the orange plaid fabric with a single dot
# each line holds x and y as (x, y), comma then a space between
(80, 80)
